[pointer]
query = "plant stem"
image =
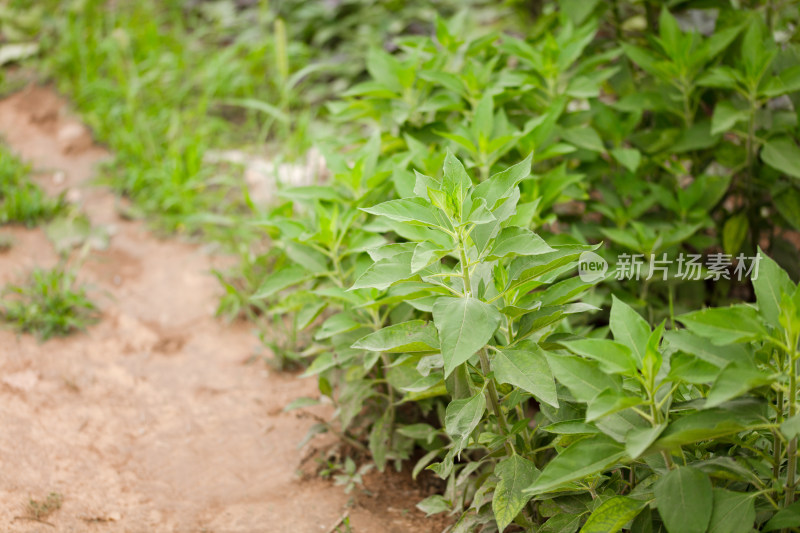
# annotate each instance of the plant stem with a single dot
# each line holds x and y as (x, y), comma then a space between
(491, 389)
(655, 413)
(494, 402)
(776, 442)
(791, 469)
(465, 271)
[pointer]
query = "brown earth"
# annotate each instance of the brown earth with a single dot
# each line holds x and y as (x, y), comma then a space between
(152, 421)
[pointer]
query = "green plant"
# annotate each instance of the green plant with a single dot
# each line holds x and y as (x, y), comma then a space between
(411, 283)
(21, 200)
(49, 304)
(39, 510)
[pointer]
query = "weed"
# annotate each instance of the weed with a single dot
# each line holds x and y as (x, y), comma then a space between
(21, 200)
(49, 304)
(39, 510)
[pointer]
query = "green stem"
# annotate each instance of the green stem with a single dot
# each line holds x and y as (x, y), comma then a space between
(465, 270)
(776, 442)
(494, 402)
(655, 413)
(791, 469)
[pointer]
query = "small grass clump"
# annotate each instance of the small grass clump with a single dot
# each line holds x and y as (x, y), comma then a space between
(21, 200)
(49, 304)
(39, 510)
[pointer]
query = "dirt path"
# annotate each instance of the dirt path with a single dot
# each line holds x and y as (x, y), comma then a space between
(151, 421)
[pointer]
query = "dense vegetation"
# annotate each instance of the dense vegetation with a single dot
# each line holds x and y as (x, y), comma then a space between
(428, 282)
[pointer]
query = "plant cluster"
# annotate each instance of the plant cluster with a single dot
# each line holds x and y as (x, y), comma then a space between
(21, 200)
(50, 303)
(446, 332)
(428, 285)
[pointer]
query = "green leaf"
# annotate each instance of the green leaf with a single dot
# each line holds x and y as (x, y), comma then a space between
(733, 381)
(629, 328)
(725, 325)
(277, 281)
(461, 419)
(483, 119)
(726, 116)
(638, 440)
(382, 274)
(786, 82)
(734, 512)
(310, 259)
(584, 137)
(612, 515)
(517, 241)
(379, 438)
(629, 158)
(734, 233)
(684, 499)
(702, 348)
(455, 182)
(434, 504)
(426, 253)
(696, 137)
(571, 427)
(783, 155)
(465, 325)
(772, 281)
(788, 517)
(515, 473)
(613, 357)
(609, 402)
(719, 77)
(706, 425)
(791, 427)
(583, 378)
(563, 522)
(413, 210)
(642, 57)
(527, 369)
(501, 185)
(336, 324)
(787, 201)
(411, 336)
(670, 34)
(581, 459)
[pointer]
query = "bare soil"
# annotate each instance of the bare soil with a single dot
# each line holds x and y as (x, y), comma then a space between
(153, 420)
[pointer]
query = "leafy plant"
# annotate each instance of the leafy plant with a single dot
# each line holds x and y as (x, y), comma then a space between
(39, 510)
(21, 200)
(49, 304)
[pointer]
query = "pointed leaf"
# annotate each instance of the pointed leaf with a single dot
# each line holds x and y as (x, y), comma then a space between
(612, 515)
(517, 241)
(465, 325)
(527, 369)
(581, 459)
(278, 281)
(516, 473)
(383, 273)
(461, 419)
(411, 336)
(613, 357)
(684, 499)
(629, 328)
(771, 283)
(783, 155)
(583, 378)
(629, 158)
(725, 325)
(734, 512)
